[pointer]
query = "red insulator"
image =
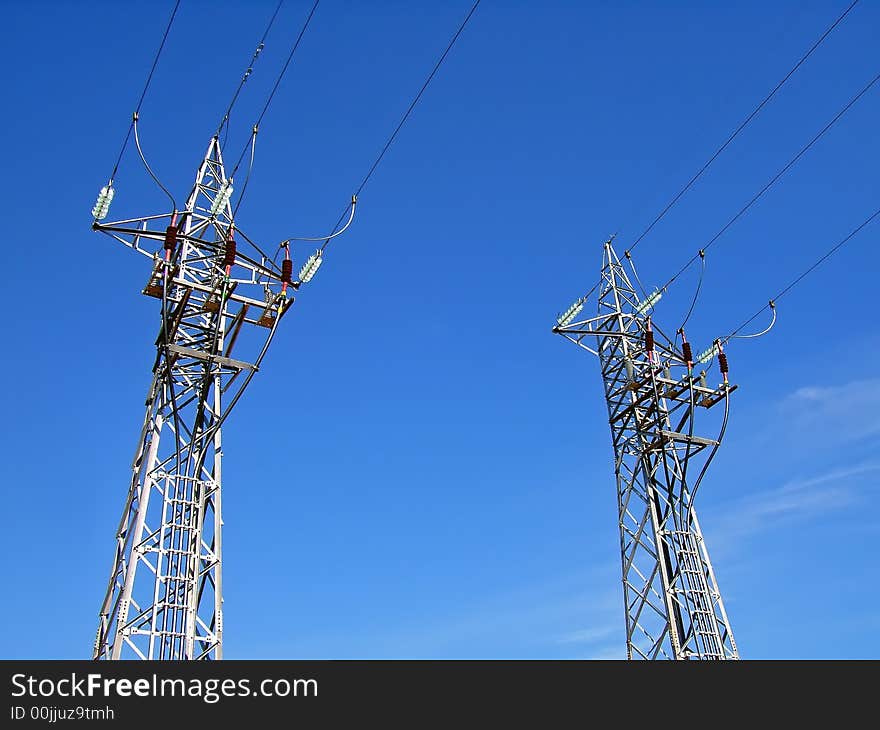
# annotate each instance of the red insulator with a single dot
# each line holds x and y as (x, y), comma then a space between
(170, 238)
(229, 258)
(649, 341)
(286, 271)
(722, 362)
(687, 351)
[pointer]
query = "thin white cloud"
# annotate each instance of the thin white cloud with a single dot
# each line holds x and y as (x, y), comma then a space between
(590, 635)
(530, 620)
(609, 652)
(795, 500)
(838, 413)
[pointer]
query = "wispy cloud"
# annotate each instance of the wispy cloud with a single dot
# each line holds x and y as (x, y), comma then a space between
(807, 496)
(796, 500)
(591, 635)
(599, 641)
(533, 620)
(837, 412)
(608, 652)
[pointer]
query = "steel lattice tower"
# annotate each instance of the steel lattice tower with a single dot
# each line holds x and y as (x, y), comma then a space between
(164, 599)
(671, 599)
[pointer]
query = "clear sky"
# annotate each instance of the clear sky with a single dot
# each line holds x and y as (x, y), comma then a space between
(422, 469)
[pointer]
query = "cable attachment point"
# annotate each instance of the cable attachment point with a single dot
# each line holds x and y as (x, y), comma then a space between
(735, 334)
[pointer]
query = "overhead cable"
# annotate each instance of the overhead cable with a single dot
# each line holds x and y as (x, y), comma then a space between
(743, 125)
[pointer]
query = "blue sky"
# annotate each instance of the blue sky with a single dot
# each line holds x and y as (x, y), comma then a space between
(422, 469)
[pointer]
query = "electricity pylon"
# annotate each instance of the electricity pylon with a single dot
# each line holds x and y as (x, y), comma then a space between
(672, 603)
(164, 599)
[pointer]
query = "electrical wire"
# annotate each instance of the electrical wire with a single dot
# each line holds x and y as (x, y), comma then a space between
(342, 230)
(350, 208)
(416, 99)
(773, 180)
(285, 243)
(403, 119)
(168, 365)
(658, 420)
(247, 177)
(137, 143)
(690, 508)
(690, 434)
(632, 266)
(696, 294)
(764, 331)
(144, 92)
(772, 303)
(209, 432)
(206, 434)
(743, 125)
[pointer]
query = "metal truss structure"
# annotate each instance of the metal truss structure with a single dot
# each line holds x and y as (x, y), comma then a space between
(672, 603)
(164, 598)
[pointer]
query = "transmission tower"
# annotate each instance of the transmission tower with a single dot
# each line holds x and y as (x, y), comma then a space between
(672, 603)
(216, 290)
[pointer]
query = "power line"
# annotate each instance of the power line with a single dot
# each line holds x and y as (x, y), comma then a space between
(772, 181)
(743, 125)
(144, 92)
(277, 84)
(405, 116)
(250, 67)
(417, 97)
(805, 273)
